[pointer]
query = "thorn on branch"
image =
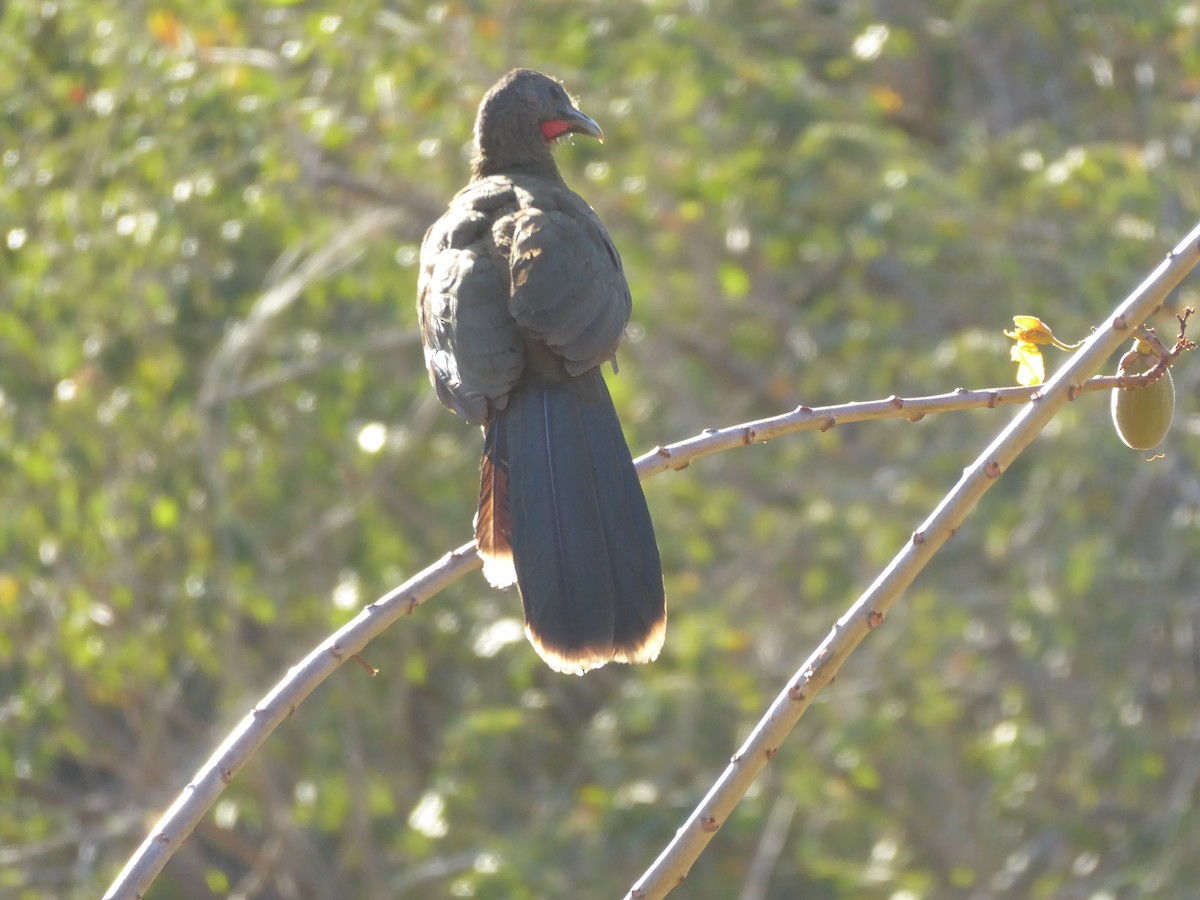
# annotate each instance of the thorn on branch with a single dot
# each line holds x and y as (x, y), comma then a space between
(335, 651)
(370, 669)
(708, 825)
(805, 410)
(896, 402)
(1119, 323)
(992, 469)
(874, 619)
(795, 693)
(918, 538)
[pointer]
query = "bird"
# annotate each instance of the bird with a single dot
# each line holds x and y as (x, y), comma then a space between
(521, 299)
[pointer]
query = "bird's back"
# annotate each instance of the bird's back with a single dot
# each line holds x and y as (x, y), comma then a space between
(517, 264)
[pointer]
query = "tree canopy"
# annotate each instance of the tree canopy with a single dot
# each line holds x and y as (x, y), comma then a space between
(218, 441)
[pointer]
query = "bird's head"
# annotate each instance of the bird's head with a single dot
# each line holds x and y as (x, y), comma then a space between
(521, 116)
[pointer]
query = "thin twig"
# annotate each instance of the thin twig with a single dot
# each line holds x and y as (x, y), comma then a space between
(181, 818)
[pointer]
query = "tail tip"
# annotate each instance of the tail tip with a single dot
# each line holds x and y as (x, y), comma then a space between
(498, 569)
(581, 660)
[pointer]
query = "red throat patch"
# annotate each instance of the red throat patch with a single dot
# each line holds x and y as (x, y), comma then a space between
(554, 128)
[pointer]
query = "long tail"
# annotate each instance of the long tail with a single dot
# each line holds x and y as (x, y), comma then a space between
(559, 497)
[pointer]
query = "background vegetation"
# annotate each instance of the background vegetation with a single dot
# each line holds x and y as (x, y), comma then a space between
(816, 202)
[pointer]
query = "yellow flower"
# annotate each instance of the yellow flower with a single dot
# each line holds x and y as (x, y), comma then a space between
(1031, 368)
(1029, 332)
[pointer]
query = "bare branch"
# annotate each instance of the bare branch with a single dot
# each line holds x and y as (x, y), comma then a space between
(181, 818)
(869, 610)
(173, 828)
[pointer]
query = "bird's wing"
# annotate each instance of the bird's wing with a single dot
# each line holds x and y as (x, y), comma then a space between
(473, 348)
(568, 286)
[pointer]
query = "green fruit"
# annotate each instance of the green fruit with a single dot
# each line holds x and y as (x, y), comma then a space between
(1142, 416)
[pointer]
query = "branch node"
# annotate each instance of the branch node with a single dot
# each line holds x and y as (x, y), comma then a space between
(992, 469)
(770, 753)
(918, 538)
(874, 619)
(1119, 323)
(897, 402)
(735, 759)
(665, 452)
(993, 399)
(335, 651)
(1073, 391)
(226, 775)
(413, 603)
(802, 409)
(709, 824)
(795, 693)
(917, 418)
(162, 838)
(961, 390)
(826, 424)
(749, 434)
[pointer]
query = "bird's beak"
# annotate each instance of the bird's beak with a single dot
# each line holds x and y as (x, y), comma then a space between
(580, 124)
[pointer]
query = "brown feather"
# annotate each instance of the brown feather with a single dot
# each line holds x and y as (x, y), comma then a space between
(492, 526)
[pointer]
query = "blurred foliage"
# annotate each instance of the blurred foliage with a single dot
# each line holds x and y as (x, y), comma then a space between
(217, 441)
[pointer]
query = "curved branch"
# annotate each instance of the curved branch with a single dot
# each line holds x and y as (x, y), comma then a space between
(869, 610)
(181, 818)
(281, 701)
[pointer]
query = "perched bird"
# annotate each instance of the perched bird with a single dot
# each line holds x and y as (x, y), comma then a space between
(521, 299)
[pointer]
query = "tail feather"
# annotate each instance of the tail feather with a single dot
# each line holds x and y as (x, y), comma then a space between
(492, 525)
(582, 542)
